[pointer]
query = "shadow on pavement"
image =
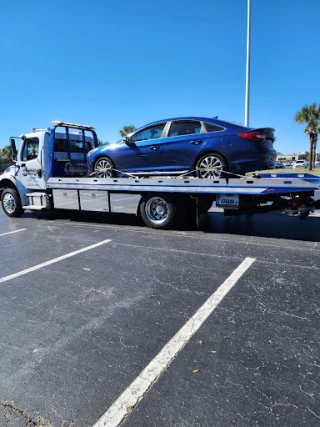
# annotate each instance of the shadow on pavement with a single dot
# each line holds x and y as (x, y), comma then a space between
(265, 225)
(274, 225)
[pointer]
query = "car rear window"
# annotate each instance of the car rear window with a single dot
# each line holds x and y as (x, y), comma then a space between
(212, 128)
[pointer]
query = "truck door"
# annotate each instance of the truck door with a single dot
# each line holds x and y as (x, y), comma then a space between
(29, 161)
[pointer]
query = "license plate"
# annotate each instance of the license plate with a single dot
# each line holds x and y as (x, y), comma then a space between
(228, 200)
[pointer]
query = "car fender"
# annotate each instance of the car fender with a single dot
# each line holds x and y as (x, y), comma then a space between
(209, 147)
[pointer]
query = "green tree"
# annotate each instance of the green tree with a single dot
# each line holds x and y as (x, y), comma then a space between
(310, 115)
(103, 143)
(126, 130)
(5, 157)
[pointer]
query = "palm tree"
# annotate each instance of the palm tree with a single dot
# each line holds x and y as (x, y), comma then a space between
(127, 129)
(310, 115)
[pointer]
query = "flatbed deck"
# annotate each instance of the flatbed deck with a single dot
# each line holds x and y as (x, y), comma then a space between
(244, 186)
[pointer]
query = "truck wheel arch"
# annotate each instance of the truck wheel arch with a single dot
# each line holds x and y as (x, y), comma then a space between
(7, 183)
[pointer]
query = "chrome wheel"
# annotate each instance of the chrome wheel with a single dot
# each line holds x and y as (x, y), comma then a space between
(104, 168)
(156, 210)
(210, 162)
(9, 203)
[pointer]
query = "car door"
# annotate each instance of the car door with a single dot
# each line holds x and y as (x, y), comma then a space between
(181, 145)
(142, 151)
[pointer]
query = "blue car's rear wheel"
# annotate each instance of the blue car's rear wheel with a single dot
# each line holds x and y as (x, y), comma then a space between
(104, 168)
(211, 165)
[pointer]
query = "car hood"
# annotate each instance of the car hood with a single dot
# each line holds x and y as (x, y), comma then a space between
(112, 146)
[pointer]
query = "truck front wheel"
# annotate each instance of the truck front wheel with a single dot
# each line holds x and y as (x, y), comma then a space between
(11, 203)
(160, 211)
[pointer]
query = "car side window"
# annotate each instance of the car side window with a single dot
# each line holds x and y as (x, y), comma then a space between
(30, 149)
(152, 132)
(184, 128)
(209, 127)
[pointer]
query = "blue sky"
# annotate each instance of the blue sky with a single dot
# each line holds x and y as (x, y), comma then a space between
(109, 63)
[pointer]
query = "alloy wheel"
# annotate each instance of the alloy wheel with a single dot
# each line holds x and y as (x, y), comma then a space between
(210, 162)
(103, 168)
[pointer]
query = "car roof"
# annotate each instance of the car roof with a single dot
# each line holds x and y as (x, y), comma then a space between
(212, 120)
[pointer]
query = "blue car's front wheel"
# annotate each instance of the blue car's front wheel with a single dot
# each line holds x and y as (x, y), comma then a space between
(210, 165)
(104, 168)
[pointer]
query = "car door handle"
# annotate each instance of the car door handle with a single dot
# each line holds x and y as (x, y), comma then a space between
(195, 142)
(155, 147)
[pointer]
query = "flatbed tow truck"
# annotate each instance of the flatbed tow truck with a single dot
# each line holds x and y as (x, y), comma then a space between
(50, 172)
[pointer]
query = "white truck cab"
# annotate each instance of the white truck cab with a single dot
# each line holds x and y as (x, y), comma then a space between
(44, 153)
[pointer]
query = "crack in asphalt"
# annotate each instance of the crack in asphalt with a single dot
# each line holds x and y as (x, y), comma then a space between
(10, 411)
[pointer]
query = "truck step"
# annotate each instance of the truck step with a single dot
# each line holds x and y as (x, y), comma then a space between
(37, 201)
(34, 208)
(36, 194)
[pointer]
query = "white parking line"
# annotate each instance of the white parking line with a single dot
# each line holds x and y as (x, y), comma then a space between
(11, 232)
(52, 261)
(136, 390)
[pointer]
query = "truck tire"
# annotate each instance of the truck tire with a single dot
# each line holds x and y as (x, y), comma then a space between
(11, 203)
(160, 211)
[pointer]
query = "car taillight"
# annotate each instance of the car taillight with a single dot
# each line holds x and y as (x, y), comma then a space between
(255, 136)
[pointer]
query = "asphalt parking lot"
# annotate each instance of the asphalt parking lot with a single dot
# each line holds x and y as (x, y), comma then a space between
(90, 304)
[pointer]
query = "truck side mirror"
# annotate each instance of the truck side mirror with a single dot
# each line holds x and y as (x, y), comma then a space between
(13, 150)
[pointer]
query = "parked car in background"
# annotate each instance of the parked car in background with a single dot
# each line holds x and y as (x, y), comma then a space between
(203, 146)
(300, 164)
(279, 165)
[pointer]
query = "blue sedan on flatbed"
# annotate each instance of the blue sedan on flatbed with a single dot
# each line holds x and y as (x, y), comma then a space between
(199, 145)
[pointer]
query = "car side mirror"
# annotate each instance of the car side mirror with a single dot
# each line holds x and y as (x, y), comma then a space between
(127, 140)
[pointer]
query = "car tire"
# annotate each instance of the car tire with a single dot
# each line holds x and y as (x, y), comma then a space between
(11, 203)
(211, 160)
(104, 168)
(161, 211)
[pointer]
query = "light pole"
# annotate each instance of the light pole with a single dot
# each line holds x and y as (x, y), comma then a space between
(246, 105)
